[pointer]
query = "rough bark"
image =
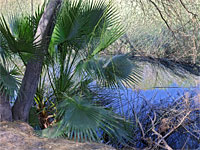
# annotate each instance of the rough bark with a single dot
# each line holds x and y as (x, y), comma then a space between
(5, 108)
(33, 70)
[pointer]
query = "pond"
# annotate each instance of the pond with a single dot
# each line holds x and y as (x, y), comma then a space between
(160, 91)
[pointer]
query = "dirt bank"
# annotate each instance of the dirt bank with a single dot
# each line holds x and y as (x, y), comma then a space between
(20, 136)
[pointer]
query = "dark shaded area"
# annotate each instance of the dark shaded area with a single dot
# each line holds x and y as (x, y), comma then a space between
(176, 67)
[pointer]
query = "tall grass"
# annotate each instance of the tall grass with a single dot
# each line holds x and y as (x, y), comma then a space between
(168, 29)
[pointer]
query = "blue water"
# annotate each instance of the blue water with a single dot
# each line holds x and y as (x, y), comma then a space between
(128, 101)
(155, 96)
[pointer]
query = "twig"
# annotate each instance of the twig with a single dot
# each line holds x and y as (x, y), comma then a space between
(161, 15)
(166, 146)
(193, 14)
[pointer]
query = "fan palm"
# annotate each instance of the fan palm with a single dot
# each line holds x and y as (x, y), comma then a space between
(16, 41)
(83, 30)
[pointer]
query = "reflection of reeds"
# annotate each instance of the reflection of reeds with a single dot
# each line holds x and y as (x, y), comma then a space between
(197, 100)
(156, 74)
(171, 123)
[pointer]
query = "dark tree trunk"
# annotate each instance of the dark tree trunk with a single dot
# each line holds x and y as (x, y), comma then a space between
(5, 108)
(27, 91)
(30, 81)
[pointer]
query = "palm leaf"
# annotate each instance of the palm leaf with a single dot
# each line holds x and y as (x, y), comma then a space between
(67, 25)
(82, 24)
(117, 71)
(120, 68)
(18, 36)
(14, 44)
(107, 38)
(8, 81)
(84, 121)
(3, 48)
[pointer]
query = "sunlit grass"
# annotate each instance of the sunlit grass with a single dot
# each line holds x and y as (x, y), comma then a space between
(8, 7)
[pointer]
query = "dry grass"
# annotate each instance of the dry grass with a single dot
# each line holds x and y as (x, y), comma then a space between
(17, 6)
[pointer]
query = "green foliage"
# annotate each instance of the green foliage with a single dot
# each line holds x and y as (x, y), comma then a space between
(81, 24)
(8, 80)
(78, 38)
(16, 38)
(84, 121)
(117, 71)
(33, 121)
(8, 74)
(19, 35)
(83, 30)
(20, 42)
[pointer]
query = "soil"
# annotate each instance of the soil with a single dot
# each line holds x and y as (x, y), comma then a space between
(21, 136)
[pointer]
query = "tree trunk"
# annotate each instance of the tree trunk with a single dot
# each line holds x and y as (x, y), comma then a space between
(33, 70)
(5, 108)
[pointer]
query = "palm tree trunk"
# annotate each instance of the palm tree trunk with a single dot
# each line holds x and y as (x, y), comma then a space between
(5, 108)
(27, 91)
(30, 81)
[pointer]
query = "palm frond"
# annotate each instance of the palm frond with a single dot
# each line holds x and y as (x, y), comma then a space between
(13, 44)
(68, 25)
(107, 38)
(83, 121)
(87, 23)
(19, 33)
(117, 71)
(3, 48)
(9, 83)
(120, 68)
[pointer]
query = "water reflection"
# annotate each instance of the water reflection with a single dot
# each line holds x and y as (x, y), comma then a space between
(161, 90)
(157, 75)
(138, 105)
